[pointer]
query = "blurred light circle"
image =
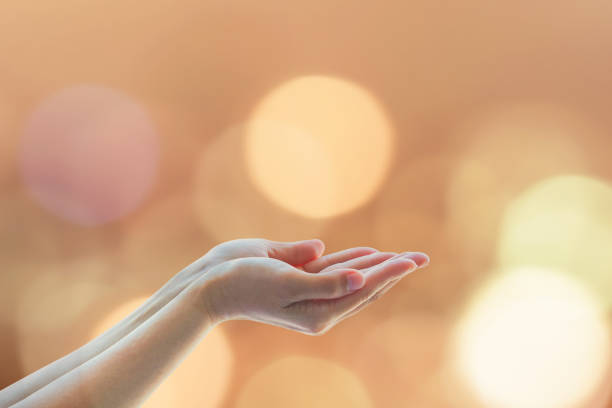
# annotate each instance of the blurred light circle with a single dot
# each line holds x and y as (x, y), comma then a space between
(7, 140)
(89, 154)
(410, 216)
(303, 382)
(180, 130)
(318, 146)
(406, 351)
(409, 212)
(563, 222)
(227, 205)
(500, 153)
(32, 232)
(167, 228)
(52, 305)
(533, 338)
(434, 393)
(200, 380)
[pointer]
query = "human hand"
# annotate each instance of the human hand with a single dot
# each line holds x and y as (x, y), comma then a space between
(302, 254)
(305, 255)
(294, 253)
(298, 253)
(285, 284)
(311, 299)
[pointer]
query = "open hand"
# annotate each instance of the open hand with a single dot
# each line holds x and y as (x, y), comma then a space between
(309, 297)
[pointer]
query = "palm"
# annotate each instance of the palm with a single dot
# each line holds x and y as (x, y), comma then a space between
(303, 254)
(289, 272)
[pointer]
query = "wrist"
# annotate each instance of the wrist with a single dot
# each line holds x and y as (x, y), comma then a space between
(208, 294)
(202, 264)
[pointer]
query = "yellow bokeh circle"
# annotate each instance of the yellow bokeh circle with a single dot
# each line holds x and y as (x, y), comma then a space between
(500, 152)
(533, 338)
(564, 222)
(303, 382)
(228, 206)
(53, 302)
(201, 379)
(318, 146)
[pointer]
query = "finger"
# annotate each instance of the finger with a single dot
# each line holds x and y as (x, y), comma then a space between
(362, 262)
(392, 269)
(337, 257)
(419, 258)
(379, 293)
(295, 253)
(335, 284)
(375, 296)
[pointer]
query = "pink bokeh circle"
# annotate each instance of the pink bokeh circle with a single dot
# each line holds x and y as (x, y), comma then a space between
(89, 154)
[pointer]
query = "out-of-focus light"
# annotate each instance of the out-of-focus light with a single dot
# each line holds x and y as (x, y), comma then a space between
(167, 228)
(201, 379)
(564, 222)
(89, 154)
(400, 356)
(533, 338)
(228, 206)
(52, 304)
(318, 146)
(410, 216)
(409, 209)
(7, 140)
(180, 128)
(502, 152)
(27, 232)
(301, 382)
(433, 394)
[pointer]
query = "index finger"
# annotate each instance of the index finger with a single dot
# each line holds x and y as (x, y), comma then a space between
(323, 262)
(376, 279)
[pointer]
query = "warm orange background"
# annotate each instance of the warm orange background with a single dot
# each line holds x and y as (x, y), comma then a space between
(483, 100)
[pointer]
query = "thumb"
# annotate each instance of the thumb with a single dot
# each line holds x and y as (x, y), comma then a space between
(296, 253)
(330, 285)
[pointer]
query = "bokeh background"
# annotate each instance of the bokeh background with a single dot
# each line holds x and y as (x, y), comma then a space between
(135, 135)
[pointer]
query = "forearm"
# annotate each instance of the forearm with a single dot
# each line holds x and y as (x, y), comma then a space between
(35, 381)
(124, 374)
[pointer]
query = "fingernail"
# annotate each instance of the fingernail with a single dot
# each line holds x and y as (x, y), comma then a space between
(355, 281)
(419, 258)
(412, 266)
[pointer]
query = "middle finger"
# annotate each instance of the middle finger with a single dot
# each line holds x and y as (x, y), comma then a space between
(362, 262)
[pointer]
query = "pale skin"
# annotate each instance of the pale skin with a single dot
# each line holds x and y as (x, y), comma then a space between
(287, 284)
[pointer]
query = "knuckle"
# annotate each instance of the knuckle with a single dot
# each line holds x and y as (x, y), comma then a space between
(338, 285)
